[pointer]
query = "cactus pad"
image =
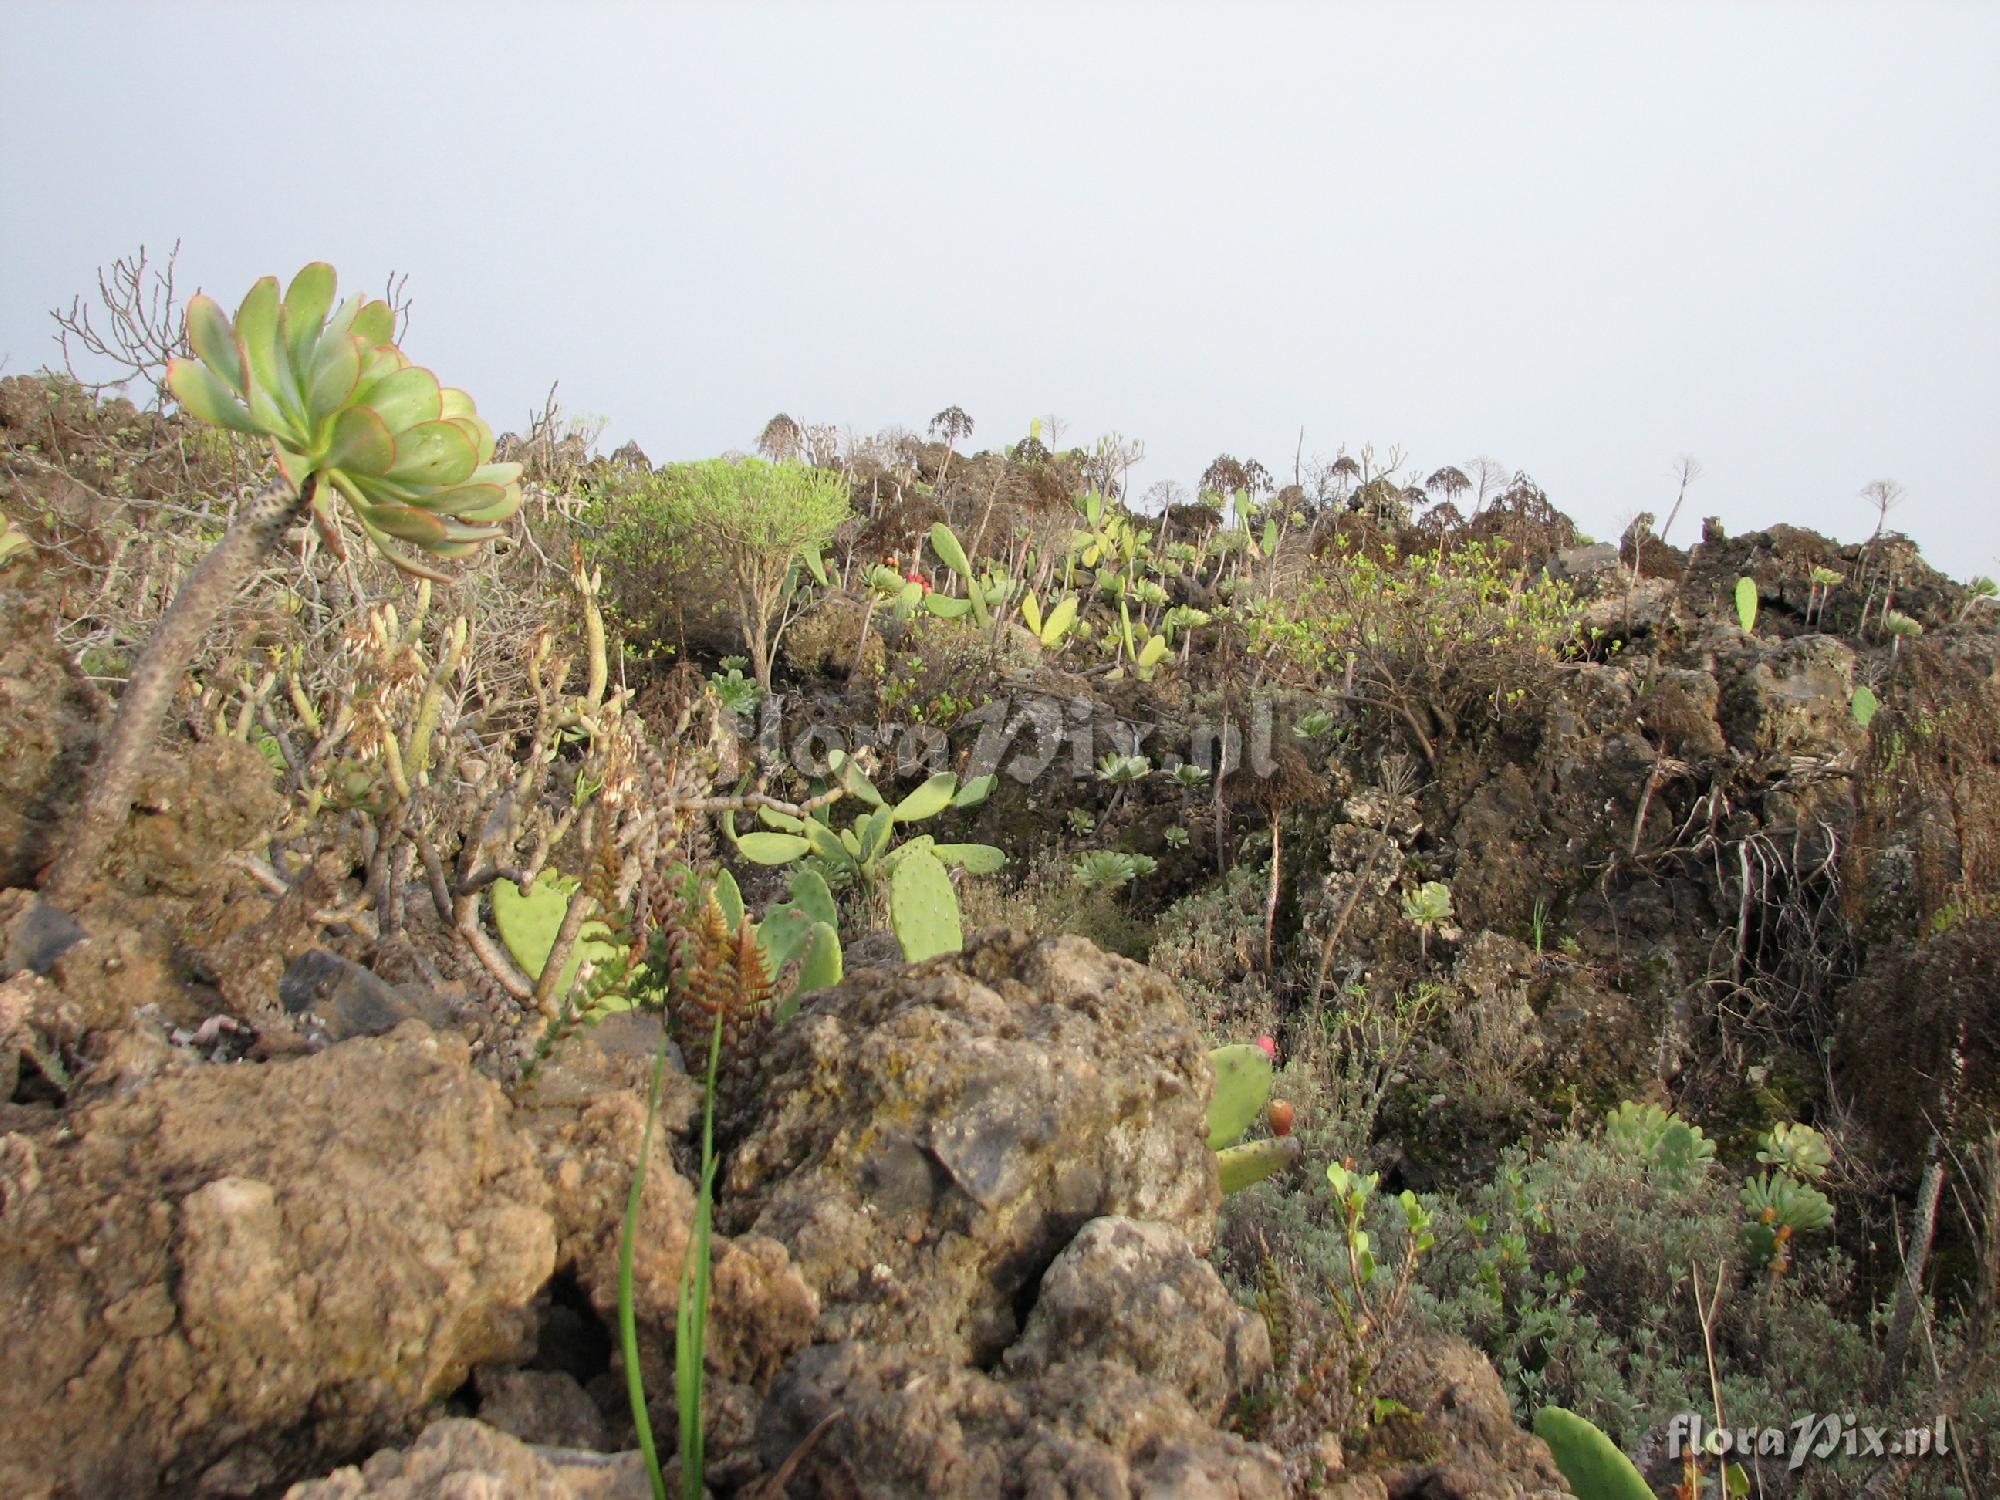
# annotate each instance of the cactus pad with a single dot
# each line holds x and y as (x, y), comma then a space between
(923, 908)
(1242, 1088)
(1589, 1460)
(528, 923)
(1253, 1161)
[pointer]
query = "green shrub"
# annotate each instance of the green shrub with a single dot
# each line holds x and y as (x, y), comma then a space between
(734, 531)
(1427, 640)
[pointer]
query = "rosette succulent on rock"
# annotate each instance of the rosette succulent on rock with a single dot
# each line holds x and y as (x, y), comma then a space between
(347, 413)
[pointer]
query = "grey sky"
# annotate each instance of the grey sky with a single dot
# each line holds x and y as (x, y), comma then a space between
(1581, 239)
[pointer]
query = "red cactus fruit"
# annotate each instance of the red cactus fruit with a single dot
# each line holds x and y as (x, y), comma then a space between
(1281, 1117)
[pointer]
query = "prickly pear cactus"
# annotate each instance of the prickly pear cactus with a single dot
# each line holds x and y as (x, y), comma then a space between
(923, 908)
(1253, 1161)
(1242, 1088)
(528, 923)
(1589, 1460)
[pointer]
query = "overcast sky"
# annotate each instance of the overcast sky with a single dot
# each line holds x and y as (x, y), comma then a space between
(1581, 239)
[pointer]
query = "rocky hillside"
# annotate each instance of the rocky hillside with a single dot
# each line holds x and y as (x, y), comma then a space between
(1608, 908)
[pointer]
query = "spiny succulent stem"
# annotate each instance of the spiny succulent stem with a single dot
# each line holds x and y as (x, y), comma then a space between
(150, 692)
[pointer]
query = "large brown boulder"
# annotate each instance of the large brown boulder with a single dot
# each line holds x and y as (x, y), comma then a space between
(227, 1274)
(925, 1143)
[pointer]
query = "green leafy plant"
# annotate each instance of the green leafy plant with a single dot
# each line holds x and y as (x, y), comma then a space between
(867, 853)
(1424, 640)
(1820, 584)
(1980, 590)
(1176, 837)
(1369, 1307)
(1188, 776)
(1784, 1204)
(1314, 724)
(1053, 626)
(529, 921)
(755, 529)
(1901, 627)
(1082, 821)
(1665, 1143)
(1429, 907)
(986, 590)
(1797, 1149)
(348, 418)
(1104, 870)
(739, 694)
(1122, 770)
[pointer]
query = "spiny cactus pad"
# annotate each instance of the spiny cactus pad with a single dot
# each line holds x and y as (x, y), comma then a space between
(923, 908)
(1242, 1088)
(528, 923)
(1253, 1161)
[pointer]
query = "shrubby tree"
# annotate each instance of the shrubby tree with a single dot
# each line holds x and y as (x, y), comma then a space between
(782, 439)
(953, 426)
(749, 524)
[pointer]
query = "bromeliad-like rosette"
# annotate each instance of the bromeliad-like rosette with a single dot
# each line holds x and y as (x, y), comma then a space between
(348, 413)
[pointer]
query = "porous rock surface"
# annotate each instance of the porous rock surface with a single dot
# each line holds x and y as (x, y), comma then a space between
(230, 1273)
(457, 1459)
(925, 1142)
(1484, 1453)
(1137, 1294)
(912, 1426)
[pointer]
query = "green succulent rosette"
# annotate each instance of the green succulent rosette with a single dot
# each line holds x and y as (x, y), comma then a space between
(347, 413)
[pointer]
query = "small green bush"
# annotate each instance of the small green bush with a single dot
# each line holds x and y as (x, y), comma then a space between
(729, 533)
(1428, 640)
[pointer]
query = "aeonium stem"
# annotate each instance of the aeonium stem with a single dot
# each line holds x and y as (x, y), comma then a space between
(142, 707)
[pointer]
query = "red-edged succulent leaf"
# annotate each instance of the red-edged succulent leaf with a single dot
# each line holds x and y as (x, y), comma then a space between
(213, 340)
(306, 302)
(336, 371)
(361, 443)
(498, 510)
(405, 524)
(457, 403)
(378, 363)
(406, 398)
(376, 322)
(433, 453)
(468, 502)
(203, 393)
(260, 342)
(343, 317)
(458, 533)
(500, 474)
(262, 401)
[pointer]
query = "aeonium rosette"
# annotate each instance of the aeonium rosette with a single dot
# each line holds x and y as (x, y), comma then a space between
(347, 412)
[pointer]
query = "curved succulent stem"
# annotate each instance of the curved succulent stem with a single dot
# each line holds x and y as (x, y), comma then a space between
(143, 705)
